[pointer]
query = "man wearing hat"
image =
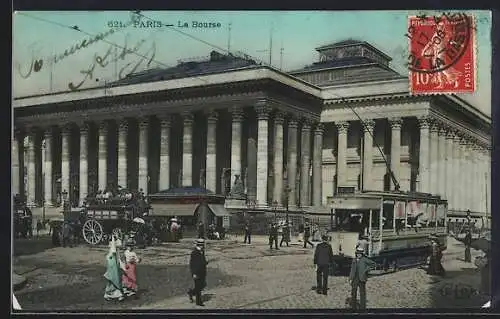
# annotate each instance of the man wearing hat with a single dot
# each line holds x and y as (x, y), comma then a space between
(198, 265)
(323, 258)
(360, 267)
(307, 235)
(273, 236)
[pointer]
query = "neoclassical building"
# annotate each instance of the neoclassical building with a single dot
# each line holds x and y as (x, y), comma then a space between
(304, 133)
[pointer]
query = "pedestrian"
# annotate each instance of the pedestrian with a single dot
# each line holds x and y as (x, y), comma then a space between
(360, 267)
(435, 266)
(307, 235)
(323, 259)
(114, 288)
(129, 277)
(285, 237)
(467, 242)
(248, 232)
(273, 236)
(201, 231)
(198, 266)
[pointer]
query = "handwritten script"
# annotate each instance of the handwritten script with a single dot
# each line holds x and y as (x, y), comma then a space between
(37, 63)
(103, 60)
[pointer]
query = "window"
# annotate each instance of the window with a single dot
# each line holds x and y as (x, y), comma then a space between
(388, 216)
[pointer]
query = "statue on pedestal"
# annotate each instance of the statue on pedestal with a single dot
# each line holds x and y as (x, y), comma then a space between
(237, 191)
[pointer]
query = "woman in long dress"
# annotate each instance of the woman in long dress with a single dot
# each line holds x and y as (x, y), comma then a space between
(129, 277)
(114, 289)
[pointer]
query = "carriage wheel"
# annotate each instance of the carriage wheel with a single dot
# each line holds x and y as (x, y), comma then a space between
(118, 233)
(92, 232)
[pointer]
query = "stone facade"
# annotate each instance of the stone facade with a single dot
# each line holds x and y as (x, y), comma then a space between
(150, 138)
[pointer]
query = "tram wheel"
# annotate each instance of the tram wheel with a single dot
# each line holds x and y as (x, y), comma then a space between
(92, 232)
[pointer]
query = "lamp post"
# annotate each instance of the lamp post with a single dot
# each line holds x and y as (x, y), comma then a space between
(250, 204)
(64, 195)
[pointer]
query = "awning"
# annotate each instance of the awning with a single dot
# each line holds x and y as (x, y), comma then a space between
(219, 210)
(174, 209)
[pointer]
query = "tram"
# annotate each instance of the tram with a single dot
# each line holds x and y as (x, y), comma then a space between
(393, 227)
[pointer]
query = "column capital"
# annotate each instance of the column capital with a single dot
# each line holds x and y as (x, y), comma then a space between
(279, 117)
(424, 122)
(342, 127)
(395, 123)
(450, 135)
(212, 116)
(165, 120)
(318, 130)
(442, 131)
(435, 126)
(237, 113)
(306, 125)
(66, 129)
(103, 126)
(143, 123)
(293, 122)
(368, 125)
(48, 132)
(123, 125)
(84, 127)
(187, 118)
(262, 111)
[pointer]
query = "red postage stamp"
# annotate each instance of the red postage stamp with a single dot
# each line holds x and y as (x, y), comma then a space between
(442, 54)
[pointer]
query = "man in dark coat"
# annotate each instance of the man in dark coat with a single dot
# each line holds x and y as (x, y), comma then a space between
(285, 237)
(273, 236)
(248, 232)
(307, 235)
(360, 267)
(323, 258)
(467, 242)
(67, 234)
(198, 266)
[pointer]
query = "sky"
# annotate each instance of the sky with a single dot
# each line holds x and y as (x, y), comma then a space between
(38, 36)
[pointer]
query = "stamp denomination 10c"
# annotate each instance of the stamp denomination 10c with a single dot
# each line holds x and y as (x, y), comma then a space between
(442, 55)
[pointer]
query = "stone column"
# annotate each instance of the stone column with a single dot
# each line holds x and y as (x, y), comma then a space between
(187, 150)
(262, 156)
(16, 183)
(143, 155)
(278, 157)
(65, 169)
(317, 165)
(424, 157)
(164, 178)
(236, 130)
(449, 169)
(368, 127)
(122, 153)
(211, 166)
(48, 168)
(456, 172)
(84, 175)
(102, 162)
(305, 162)
(434, 158)
(462, 176)
(342, 128)
(396, 124)
(441, 167)
(476, 187)
(31, 176)
(292, 162)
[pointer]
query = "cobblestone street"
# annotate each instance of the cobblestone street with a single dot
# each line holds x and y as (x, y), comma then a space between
(239, 277)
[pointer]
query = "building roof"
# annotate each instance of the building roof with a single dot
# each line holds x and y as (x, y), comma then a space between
(217, 63)
(337, 63)
(352, 42)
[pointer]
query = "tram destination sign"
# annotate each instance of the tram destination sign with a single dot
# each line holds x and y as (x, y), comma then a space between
(345, 190)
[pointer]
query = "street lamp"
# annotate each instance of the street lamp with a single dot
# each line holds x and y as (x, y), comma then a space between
(64, 195)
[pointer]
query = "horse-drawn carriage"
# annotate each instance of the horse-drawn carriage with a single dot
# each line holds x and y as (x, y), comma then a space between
(22, 217)
(118, 215)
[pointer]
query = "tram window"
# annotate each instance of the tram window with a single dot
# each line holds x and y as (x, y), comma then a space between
(388, 216)
(375, 219)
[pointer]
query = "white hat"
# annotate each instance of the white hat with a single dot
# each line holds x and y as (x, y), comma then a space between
(200, 241)
(360, 249)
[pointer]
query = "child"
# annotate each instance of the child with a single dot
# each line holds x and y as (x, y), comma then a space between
(129, 277)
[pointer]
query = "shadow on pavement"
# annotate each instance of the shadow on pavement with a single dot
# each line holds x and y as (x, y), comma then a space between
(32, 246)
(458, 289)
(156, 283)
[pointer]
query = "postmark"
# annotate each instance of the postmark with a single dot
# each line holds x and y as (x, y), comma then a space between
(442, 54)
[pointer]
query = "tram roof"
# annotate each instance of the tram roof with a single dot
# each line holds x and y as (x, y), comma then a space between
(406, 196)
